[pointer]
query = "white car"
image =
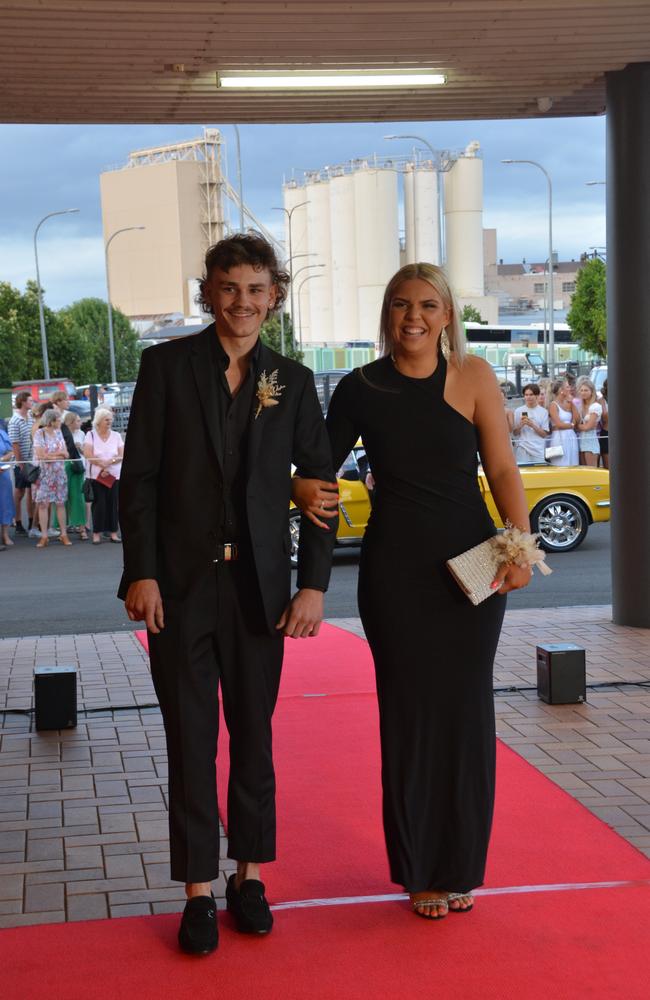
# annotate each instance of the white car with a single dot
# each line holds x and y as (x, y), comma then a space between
(598, 376)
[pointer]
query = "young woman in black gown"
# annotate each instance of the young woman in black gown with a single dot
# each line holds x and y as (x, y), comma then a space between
(423, 410)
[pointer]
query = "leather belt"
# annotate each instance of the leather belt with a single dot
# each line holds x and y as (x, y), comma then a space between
(228, 552)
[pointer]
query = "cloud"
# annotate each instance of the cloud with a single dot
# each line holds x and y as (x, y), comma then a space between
(45, 168)
(71, 267)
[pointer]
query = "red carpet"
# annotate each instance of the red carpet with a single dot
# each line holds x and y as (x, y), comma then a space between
(569, 944)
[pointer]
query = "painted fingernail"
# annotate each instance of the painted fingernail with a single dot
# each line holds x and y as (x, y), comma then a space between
(494, 584)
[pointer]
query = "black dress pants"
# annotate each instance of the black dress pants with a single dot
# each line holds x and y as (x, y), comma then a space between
(217, 635)
(104, 508)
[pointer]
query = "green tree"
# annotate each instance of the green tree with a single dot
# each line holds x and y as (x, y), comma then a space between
(86, 326)
(271, 336)
(470, 314)
(587, 316)
(21, 354)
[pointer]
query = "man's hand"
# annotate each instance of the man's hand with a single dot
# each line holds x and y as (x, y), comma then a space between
(303, 615)
(144, 603)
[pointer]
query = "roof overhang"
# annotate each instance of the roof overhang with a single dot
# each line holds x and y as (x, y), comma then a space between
(157, 60)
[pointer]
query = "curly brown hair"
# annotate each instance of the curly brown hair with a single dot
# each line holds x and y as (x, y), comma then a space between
(244, 248)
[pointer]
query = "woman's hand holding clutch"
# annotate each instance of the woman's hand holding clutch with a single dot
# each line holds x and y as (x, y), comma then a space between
(315, 499)
(509, 576)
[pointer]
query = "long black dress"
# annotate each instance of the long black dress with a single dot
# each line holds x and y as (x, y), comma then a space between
(433, 649)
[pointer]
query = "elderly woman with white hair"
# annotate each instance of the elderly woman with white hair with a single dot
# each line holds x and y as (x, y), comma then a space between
(103, 449)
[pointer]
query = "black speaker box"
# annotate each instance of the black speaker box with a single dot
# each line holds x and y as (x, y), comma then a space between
(561, 673)
(55, 697)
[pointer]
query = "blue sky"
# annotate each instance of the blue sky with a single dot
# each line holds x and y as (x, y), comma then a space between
(45, 168)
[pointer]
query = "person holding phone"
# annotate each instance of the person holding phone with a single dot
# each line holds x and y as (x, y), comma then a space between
(531, 428)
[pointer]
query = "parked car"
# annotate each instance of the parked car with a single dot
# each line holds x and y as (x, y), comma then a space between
(81, 407)
(563, 501)
(42, 389)
(598, 376)
(326, 383)
(531, 368)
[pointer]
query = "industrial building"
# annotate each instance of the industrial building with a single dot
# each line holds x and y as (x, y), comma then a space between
(348, 228)
(344, 238)
(181, 197)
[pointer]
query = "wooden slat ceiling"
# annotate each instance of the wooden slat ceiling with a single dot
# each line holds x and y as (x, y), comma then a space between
(120, 60)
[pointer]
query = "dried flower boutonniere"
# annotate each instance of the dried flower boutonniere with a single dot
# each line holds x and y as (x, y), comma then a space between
(268, 391)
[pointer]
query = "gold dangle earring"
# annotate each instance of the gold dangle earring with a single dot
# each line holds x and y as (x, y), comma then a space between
(445, 345)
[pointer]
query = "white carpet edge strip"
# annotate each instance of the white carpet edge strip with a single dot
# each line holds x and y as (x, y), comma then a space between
(300, 904)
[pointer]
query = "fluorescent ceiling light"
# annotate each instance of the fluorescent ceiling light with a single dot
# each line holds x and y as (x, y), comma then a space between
(333, 81)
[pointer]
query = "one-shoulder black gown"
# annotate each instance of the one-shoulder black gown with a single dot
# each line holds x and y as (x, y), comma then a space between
(433, 649)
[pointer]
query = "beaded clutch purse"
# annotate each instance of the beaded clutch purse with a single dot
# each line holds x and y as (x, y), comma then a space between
(475, 569)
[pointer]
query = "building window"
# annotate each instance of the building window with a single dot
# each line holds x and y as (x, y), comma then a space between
(568, 286)
(538, 288)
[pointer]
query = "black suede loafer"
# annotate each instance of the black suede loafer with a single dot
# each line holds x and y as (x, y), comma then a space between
(248, 906)
(198, 933)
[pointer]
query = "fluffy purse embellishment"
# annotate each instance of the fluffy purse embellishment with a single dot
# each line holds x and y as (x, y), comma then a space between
(520, 547)
(268, 391)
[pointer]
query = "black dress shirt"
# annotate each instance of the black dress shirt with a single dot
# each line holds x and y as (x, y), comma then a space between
(235, 416)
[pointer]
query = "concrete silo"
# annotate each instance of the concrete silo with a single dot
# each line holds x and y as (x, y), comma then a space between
(464, 224)
(345, 303)
(377, 243)
(421, 215)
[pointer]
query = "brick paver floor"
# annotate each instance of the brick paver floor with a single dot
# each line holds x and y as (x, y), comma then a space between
(83, 812)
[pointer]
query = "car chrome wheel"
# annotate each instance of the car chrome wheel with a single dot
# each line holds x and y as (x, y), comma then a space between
(294, 536)
(561, 523)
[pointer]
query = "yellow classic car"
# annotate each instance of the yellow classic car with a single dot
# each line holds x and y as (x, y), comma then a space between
(563, 501)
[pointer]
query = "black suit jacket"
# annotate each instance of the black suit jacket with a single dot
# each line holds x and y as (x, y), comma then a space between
(171, 480)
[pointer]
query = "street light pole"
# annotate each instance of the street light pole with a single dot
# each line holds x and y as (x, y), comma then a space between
(289, 212)
(239, 181)
(303, 282)
(434, 155)
(305, 267)
(551, 310)
(41, 311)
(111, 342)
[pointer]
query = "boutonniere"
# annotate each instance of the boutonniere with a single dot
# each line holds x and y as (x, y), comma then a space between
(268, 391)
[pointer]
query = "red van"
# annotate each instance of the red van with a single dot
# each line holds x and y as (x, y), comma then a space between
(43, 388)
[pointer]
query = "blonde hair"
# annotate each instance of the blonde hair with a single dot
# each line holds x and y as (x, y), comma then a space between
(545, 387)
(585, 380)
(69, 417)
(100, 414)
(437, 278)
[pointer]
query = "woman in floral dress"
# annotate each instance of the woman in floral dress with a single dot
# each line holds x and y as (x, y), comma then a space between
(52, 486)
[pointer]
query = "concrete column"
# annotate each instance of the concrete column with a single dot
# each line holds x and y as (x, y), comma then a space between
(628, 336)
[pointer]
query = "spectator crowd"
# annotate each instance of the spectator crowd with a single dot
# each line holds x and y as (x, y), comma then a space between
(563, 421)
(57, 476)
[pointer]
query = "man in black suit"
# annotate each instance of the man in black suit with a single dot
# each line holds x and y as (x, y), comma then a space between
(216, 422)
